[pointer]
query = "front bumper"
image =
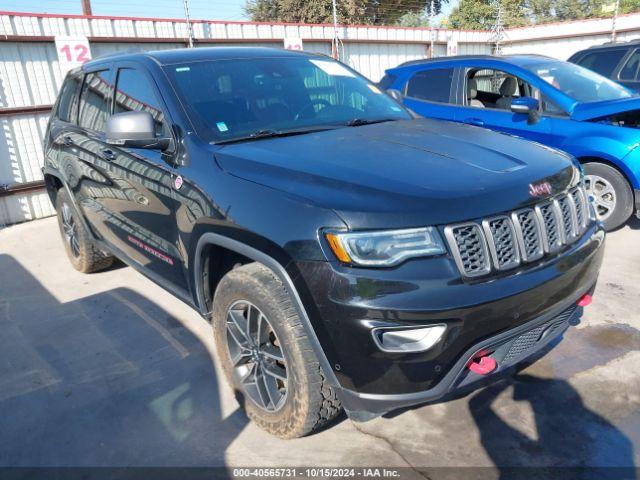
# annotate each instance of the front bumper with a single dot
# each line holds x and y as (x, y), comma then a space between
(508, 349)
(345, 304)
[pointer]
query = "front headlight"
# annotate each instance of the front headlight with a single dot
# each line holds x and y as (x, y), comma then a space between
(385, 248)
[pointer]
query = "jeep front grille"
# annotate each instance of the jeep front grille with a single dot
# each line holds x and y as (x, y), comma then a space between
(506, 241)
(502, 242)
(470, 249)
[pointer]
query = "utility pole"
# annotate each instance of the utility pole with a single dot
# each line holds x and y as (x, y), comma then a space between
(86, 7)
(189, 29)
(497, 30)
(335, 53)
(432, 32)
(613, 22)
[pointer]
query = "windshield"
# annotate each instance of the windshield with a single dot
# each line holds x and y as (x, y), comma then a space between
(579, 83)
(239, 98)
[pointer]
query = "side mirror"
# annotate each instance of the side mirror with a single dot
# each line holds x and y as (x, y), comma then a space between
(528, 106)
(135, 130)
(395, 94)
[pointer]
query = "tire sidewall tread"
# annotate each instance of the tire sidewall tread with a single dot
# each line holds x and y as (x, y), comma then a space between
(310, 402)
(624, 193)
(91, 258)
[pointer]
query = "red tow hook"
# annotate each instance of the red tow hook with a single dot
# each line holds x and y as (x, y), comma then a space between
(585, 300)
(482, 365)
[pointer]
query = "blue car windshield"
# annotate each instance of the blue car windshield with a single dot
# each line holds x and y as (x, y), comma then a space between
(237, 98)
(579, 83)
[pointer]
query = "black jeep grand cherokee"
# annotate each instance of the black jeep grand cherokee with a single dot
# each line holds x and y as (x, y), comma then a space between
(348, 254)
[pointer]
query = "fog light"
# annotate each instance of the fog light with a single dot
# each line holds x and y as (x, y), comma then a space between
(408, 340)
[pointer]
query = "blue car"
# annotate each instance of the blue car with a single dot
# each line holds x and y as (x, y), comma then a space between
(549, 101)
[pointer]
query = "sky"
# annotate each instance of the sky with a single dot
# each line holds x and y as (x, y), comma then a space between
(198, 9)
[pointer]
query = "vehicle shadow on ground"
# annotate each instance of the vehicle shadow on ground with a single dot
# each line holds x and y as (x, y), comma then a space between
(107, 380)
(568, 434)
(633, 223)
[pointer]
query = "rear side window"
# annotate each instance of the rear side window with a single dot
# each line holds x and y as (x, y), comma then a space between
(94, 101)
(631, 69)
(387, 81)
(432, 85)
(134, 92)
(604, 62)
(68, 102)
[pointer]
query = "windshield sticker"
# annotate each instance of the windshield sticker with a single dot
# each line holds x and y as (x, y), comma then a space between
(222, 126)
(373, 88)
(183, 69)
(332, 68)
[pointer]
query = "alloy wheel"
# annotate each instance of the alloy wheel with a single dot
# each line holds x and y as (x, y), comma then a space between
(258, 362)
(602, 194)
(70, 230)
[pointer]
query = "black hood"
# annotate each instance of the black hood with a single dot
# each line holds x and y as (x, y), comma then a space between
(402, 173)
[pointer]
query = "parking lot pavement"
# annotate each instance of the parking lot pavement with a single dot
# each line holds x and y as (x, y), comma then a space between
(109, 370)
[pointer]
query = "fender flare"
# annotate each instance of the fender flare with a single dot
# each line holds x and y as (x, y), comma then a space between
(74, 204)
(210, 238)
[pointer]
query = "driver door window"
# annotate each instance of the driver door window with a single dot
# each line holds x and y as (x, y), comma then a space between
(496, 89)
(489, 88)
(487, 103)
(135, 93)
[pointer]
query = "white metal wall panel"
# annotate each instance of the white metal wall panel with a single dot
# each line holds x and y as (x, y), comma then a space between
(29, 74)
(563, 48)
(32, 25)
(100, 49)
(20, 161)
(24, 207)
(372, 59)
(21, 147)
(472, 49)
(439, 50)
(600, 26)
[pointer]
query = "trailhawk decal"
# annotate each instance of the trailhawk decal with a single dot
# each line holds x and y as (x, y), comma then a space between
(140, 244)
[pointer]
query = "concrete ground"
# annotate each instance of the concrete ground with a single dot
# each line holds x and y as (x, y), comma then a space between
(109, 370)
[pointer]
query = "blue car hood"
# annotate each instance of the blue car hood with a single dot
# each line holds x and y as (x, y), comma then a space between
(403, 173)
(591, 110)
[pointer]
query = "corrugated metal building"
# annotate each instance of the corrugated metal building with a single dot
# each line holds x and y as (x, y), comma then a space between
(561, 40)
(30, 74)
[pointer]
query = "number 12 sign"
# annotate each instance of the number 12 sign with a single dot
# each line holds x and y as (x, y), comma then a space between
(72, 51)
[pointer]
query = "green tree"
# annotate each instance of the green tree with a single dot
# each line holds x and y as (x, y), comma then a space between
(629, 6)
(481, 14)
(368, 12)
(578, 9)
(472, 14)
(541, 11)
(413, 19)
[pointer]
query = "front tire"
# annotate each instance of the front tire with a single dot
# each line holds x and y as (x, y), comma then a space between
(266, 355)
(83, 253)
(611, 194)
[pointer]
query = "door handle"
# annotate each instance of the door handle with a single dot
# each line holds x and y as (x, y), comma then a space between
(474, 121)
(108, 154)
(67, 140)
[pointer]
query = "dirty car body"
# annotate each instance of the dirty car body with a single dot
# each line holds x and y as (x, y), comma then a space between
(496, 244)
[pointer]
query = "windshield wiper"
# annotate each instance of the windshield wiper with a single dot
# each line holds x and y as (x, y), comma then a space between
(270, 133)
(358, 122)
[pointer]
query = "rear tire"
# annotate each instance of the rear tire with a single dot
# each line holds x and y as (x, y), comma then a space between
(612, 194)
(304, 401)
(83, 253)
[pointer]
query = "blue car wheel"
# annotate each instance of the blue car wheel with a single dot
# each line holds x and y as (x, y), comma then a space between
(610, 193)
